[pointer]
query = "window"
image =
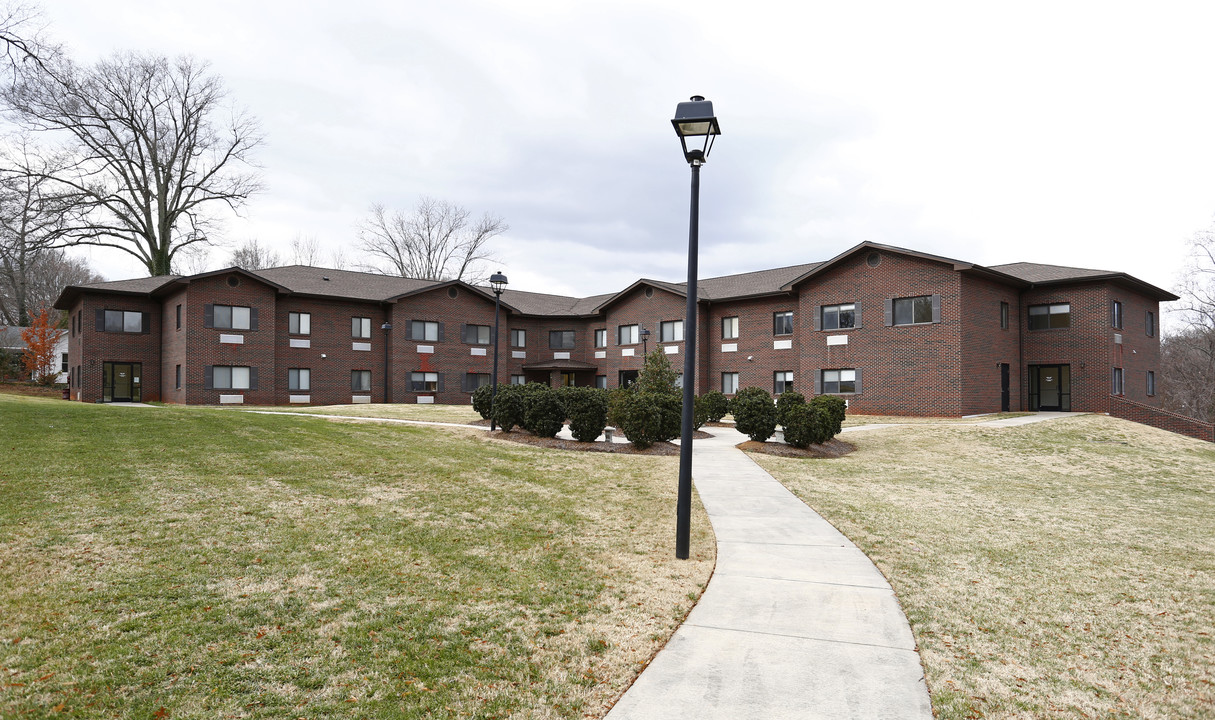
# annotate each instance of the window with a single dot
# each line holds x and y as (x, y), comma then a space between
(915, 310)
(679, 381)
(1149, 324)
(839, 317)
(300, 379)
(360, 380)
(601, 338)
(1151, 383)
(63, 363)
(230, 377)
(627, 335)
(671, 331)
(179, 317)
(569, 379)
(360, 327)
(177, 375)
(424, 382)
(782, 381)
(601, 380)
(729, 328)
(476, 334)
(729, 383)
(518, 338)
(1003, 316)
(1117, 387)
(518, 379)
(839, 381)
(627, 378)
(424, 330)
(123, 321)
(1116, 315)
(231, 317)
(782, 323)
(472, 381)
(561, 339)
(299, 323)
(1045, 317)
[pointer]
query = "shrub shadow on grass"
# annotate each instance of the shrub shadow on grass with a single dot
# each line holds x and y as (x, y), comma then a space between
(830, 449)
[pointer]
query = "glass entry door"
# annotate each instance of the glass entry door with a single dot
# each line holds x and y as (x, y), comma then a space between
(121, 382)
(1050, 387)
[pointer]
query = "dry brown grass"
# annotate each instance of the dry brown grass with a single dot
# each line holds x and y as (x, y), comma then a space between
(1060, 569)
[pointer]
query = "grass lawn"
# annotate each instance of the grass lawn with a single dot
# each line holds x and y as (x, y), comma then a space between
(855, 420)
(402, 411)
(1059, 569)
(185, 562)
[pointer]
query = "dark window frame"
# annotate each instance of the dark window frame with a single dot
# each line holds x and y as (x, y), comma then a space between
(1151, 383)
(838, 386)
(1004, 315)
(562, 344)
(635, 335)
(726, 321)
(1149, 324)
(422, 385)
(780, 384)
(782, 323)
(1116, 314)
(837, 313)
(521, 334)
(473, 334)
(298, 320)
(664, 325)
(1055, 320)
(356, 381)
(363, 331)
(600, 338)
(297, 385)
(734, 376)
(921, 309)
(418, 330)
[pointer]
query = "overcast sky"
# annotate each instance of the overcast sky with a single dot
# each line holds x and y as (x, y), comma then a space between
(1068, 133)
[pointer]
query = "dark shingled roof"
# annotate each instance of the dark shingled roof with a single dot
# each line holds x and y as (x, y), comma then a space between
(137, 285)
(530, 303)
(307, 280)
(1039, 273)
(760, 282)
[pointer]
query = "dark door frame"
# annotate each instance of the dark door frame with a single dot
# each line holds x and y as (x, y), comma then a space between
(1064, 400)
(109, 385)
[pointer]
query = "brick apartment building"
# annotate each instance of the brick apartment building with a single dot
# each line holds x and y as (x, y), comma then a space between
(892, 330)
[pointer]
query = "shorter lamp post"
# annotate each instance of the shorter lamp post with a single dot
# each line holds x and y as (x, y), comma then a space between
(693, 119)
(387, 328)
(498, 282)
(645, 339)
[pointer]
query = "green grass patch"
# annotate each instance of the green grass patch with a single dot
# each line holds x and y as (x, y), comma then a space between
(1059, 569)
(223, 564)
(427, 413)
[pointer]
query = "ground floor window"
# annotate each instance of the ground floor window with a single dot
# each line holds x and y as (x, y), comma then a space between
(231, 377)
(729, 383)
(177, 376)
(360, 381)
(569, 379)
(628, 377)
(299, 379)
(1151, 383)
(472, 381)
(1117, 384)
(518, 379)
(836, 382)
(424, 382)
(782, 380)
(601, 382)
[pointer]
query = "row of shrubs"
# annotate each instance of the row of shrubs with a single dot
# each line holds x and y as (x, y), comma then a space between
(805, 423)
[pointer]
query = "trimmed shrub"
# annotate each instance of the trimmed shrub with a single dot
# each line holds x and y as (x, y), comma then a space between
(835, 408)
(700, 413)
(807, 425)
(716, 405)
(646, 418)
(543, 411)
(616, 399)
(787, 400)
(587, 409)
(754, 413)
(657, 375)
(509, 407)
(482, 399)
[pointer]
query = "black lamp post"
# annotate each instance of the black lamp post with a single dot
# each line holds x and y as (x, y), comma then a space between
(498, 282)
(386, 327)
(645, 339)
(693, 119)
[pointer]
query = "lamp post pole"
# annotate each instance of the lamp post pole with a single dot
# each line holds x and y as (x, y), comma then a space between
(498, 282)
(645, 340)
(692, 119)
(387, 328)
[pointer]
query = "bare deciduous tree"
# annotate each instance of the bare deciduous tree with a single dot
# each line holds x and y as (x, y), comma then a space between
(1187, 357)
(155, 149)
(436, 241)
(46, 275)
(305, 250)
(20, 36)
(34, 214)
(252, 255)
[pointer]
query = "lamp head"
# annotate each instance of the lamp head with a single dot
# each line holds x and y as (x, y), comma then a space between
(693, 121)
(498, 282)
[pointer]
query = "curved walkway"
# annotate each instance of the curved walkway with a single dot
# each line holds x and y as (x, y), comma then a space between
(795, 623)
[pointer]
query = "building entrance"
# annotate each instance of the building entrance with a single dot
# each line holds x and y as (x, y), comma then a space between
(121, 382)
(1050, 387)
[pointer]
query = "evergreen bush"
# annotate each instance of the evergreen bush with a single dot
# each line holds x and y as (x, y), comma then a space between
(754, 413)
(835, 408)
(700, 412)
(587, 410)
(482, 399)
(716, 405)
(509, 408)
(807, 424)
(543, 411)
(787, 400)
(642, 418)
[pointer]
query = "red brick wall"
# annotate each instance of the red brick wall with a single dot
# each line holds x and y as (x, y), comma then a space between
(203, 345)
(1154, 416)
(648, 312)
(985, 345)
(173, 347)
(755, 340)
(1138, 353)
(906, 370)
(92, 349)
(331, 355)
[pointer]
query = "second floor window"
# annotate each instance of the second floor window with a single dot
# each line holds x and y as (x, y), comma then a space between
(671, 331)
(839, 317)
(231, 317)
(518, 338)
(627, 335)
(601, 338)
(782, 323)
(1116, 315)
(1045, 317)
(299, 323)
(1003, 316)
(476, 334)
(424, 330)
(729, 328)
(1149, 324)
(123, 321)
(561, 339)
(913, 310)
(360, 327)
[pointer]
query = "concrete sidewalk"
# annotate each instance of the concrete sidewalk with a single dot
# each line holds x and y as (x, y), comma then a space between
(795, 623)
